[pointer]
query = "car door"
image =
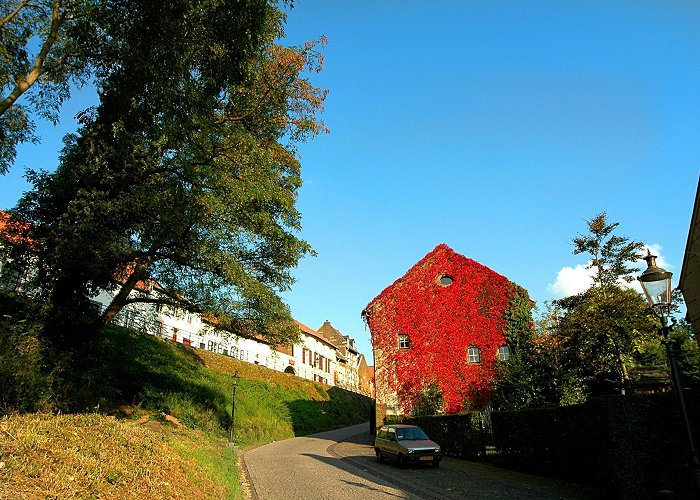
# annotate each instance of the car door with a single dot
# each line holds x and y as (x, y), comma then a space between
(392, 444)
(382, 440)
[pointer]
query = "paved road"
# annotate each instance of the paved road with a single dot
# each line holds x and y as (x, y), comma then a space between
(340, 465)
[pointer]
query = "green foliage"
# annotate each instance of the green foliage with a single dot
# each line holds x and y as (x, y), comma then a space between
(611, 254)
(519, 331)
(429, 402)
(627, 447)
(47, 47)
(689, 354)
(40, 58)
(602, 335)
(186, 173)
(533, 376)
(24, 386)
(602, 332)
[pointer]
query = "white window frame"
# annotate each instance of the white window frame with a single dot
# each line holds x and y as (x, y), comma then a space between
(503, 353)
(473, 354)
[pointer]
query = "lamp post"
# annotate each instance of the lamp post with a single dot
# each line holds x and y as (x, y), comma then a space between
(656, 283)
(233, 405)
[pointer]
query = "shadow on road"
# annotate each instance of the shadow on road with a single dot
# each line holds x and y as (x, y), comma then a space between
(455, 478)
(357, 468)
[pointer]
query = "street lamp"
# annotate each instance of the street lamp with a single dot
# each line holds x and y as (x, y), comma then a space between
(656, 283)
(233, 407)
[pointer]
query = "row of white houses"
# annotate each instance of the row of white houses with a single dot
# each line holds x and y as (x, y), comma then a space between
(326, 356)
(331, 359)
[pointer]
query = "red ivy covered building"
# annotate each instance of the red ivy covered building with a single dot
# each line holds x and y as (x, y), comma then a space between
(441, 328)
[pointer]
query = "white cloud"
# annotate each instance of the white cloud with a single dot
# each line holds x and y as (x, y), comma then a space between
(570, 281)
(574, 280)
(655, 249)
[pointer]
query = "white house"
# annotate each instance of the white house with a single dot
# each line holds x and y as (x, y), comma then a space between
(324, 356)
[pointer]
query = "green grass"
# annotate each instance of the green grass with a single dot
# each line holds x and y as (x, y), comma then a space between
(196, 387)
(134, 376)
(215, 461)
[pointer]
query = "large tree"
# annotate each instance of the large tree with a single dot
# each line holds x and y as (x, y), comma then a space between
(603, 329)
(186, 173)
(535, 375)
(601, 336)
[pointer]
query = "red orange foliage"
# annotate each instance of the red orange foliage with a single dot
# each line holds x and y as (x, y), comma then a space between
(16, 231)
(442, 323)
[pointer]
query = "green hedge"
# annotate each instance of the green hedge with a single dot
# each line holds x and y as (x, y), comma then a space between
(459, 436)
(627, 447)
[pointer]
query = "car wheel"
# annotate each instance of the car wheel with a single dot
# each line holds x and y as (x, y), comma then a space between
(380, 457)
(401, 461)
(436, 463)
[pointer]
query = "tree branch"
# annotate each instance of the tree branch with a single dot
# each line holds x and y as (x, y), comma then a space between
(38, 69)
(8, 18)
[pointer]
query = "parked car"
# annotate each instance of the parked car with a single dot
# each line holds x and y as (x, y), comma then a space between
(406, 444)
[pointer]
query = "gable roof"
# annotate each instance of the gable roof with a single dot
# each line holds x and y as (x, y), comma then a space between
(434, 255)
(313, 333)
(331, 334)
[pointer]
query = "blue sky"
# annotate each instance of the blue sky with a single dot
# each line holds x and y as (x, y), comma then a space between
(496, 127)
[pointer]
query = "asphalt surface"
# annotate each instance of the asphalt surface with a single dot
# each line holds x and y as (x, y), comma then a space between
(341, 465)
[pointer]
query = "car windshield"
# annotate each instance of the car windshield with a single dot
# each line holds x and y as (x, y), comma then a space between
(410, 434)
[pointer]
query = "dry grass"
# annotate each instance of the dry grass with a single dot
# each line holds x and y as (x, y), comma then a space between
(93, 456)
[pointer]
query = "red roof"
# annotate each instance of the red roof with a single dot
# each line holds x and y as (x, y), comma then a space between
(313, 333)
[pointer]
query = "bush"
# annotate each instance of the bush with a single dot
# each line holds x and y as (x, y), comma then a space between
(627, 446)
(24, 386)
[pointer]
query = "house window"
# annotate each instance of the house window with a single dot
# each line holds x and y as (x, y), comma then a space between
(404, 342)
(474, 354)
(503, 353)
(445, 280)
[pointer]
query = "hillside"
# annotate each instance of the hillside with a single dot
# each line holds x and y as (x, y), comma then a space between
(150, 419)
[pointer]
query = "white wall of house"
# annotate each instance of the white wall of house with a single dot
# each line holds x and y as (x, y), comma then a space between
(312, 358)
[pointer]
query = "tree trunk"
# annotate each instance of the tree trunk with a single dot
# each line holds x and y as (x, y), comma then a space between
(119, 301)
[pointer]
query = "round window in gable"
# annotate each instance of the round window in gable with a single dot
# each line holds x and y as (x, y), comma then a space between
(445, 280)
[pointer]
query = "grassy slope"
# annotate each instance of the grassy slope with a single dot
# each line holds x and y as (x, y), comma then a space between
(142, 380)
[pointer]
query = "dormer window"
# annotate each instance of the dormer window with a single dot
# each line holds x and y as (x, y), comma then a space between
(404, 342)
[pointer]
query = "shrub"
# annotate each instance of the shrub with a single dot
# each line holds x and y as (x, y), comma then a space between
(627, 446)
(24, 386)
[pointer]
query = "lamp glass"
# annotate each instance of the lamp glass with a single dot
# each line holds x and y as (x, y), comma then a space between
(658, 292)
